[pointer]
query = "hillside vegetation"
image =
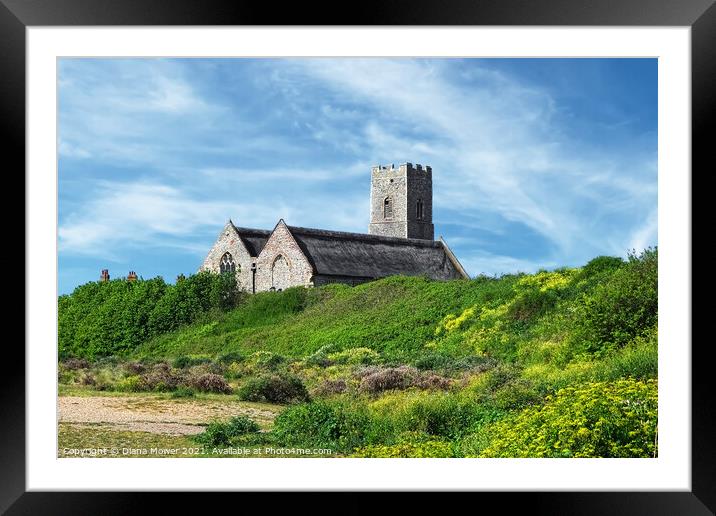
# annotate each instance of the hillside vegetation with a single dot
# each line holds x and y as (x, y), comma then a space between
(554, 364)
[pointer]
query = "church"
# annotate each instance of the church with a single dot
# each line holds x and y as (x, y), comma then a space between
(400, 241)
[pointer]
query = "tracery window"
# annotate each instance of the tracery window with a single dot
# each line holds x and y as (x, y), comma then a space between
(227, 263)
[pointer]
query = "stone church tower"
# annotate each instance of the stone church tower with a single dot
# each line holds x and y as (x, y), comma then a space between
(401, 201)
(400, 242)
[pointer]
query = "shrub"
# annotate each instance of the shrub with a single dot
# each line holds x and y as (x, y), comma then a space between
(531, 304)
(235, 370)
(473, 363)
(320, 356)
(161, 377)
(224, 434)
(594, 420)
(432, 361)
(388, 379)
(135, 367)
(274, 388)
(600, 264)
(183, 392)
(434, 381)
(339, 426)
(329, 387)
(438, 414)
(354, 356)
(210, 382)
(407, 450)
(73, 364)
(134, 383)
(638, 359)
(266, 360)
(88, 379)
(621, 308)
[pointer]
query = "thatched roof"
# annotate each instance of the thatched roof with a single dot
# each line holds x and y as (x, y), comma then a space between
(338, 253)
(253, 239)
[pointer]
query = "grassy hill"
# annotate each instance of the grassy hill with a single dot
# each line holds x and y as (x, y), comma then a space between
(564, 313)
(406, 366)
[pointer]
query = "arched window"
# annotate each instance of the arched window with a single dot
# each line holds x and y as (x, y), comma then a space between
(387, 208)
(280, 273)
(419, 209)
(227, 263)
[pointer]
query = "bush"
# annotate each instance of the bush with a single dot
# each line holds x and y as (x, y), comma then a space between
(531, 304)
(266, 360)
(407, 450)
(330, 387)
(432, 361)
(434, 381)
(320, 356)
(444, 415)
(225, 434)
(337, 425)
(210, 382)
(274, 388)
(620, 309)
(88, 379)
(115, 317)
(72, 364)
(161, 377)
(598, 419)
(599, 265)
(388, 379)
(183, 392)
(135, 367)
(133, 383)
(354, 356)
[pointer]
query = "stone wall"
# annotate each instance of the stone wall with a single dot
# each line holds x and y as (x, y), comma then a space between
(403, 185)
(229, 241)
(420, 187)
(281, 263)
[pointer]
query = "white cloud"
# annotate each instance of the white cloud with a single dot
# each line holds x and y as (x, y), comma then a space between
(646, 234)
(145, 214)
(494, 146)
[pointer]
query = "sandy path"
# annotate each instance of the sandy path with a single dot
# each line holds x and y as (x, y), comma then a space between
(145, 414)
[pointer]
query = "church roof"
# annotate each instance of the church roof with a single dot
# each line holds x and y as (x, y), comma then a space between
(253, 239)
(339, 253)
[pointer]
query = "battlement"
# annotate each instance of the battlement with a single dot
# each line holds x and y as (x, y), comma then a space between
(405, 167)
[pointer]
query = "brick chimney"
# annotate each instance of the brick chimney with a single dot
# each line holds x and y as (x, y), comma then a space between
(132, 276)
(104, 276)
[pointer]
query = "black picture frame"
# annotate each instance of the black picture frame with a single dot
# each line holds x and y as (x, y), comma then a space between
(17, 15)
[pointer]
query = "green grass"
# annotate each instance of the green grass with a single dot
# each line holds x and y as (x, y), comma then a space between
(396, 316)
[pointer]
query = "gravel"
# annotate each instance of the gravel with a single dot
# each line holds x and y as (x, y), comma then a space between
(156, 415)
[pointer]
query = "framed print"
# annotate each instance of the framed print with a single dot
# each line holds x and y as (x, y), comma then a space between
(424, 255)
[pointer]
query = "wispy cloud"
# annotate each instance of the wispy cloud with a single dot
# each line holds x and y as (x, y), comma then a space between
(494, 145)
(156, 154)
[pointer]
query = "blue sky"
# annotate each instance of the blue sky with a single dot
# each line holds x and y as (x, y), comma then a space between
(537, 163)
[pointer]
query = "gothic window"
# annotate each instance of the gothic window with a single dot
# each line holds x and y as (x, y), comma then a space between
(388, 208)
(280, 273)
(419, 210)
(227, 263)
